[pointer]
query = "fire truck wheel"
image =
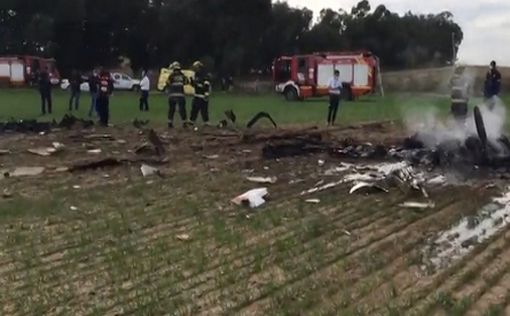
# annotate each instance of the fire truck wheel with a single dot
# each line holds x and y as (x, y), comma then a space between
(291, 94)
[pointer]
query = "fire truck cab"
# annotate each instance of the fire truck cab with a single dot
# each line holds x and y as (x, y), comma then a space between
(304, 76)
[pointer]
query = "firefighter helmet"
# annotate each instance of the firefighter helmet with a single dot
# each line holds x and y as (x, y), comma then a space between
(175, 65)
(198, 64)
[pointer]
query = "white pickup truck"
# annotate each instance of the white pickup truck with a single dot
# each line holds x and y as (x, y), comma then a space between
(120, 82)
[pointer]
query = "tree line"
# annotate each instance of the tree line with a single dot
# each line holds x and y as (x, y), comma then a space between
(230, 36)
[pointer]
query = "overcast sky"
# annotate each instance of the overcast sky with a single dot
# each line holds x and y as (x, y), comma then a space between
(485, 23)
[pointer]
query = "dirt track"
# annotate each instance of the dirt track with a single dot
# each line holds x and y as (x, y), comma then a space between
(108, 241)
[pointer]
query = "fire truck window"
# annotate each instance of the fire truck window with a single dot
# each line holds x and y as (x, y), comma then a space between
(301, 70)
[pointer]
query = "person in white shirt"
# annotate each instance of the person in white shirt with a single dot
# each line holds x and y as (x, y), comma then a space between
(335, 91)
(145, 86)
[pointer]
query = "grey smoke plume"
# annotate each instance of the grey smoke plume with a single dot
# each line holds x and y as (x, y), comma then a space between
(432, 130)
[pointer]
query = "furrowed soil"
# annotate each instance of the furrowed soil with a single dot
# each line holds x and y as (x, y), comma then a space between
(109, 241)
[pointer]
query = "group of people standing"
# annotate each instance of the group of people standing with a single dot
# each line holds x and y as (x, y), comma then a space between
(101, 87)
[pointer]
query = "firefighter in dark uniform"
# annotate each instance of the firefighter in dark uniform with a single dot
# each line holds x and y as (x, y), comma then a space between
(175, 84)
(45, 91)
(103, 99)
(492, 85)
(202, 87)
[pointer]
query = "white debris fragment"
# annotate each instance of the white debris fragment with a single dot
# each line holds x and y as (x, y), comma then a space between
(148, 171)
(58, 146)
(73, 208)
(76, 187)
(183, 237)
(212, 157)
(45, 152)
(321, 162)
(268, 180)
(254, 198)
(418, 205)
(337, 170)
(5, 152)
(94, 151)
(362, 177)
(27, 171)
(364, 185)
(313, 201)
(437, 180)
(322, 188)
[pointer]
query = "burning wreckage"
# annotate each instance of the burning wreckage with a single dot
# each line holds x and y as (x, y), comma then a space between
(466, 144)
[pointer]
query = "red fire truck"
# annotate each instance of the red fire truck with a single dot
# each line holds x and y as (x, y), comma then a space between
(22, 70)
(304, 76)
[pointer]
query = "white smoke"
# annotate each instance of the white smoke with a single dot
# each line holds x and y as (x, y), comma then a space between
(432, 129)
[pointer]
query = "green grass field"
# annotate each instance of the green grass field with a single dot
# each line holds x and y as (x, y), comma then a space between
(124, 107)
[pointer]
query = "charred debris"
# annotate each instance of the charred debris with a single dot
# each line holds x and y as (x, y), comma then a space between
(477, 150)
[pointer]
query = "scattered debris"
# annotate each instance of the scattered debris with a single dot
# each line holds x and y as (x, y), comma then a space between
(95, 164)
(253, 198)
(418, 205)
(140, 123)
(6, 194)
(437, 180)
(321, 163)
(295, 147)
(259, 116)
(26, 126)
(62, 169)
(337, 170)
(27, 171)
(183, 237)
(367, 187)
(269, 180)
(98, 137)
(148, 171)
(322, 188)
(122, 141)
(406, 179)
(231, 116)
(348, 233)
(69, 121)
(212, 157)
(94, 151)
(4, 152)
(156, 142)
(76, 187)
(58, 146)
(145, 148)
(313, 201)
(73, 208)
(45, 152)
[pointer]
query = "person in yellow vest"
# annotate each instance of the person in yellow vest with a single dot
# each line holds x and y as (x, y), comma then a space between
(175, 84)
(202, 87)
